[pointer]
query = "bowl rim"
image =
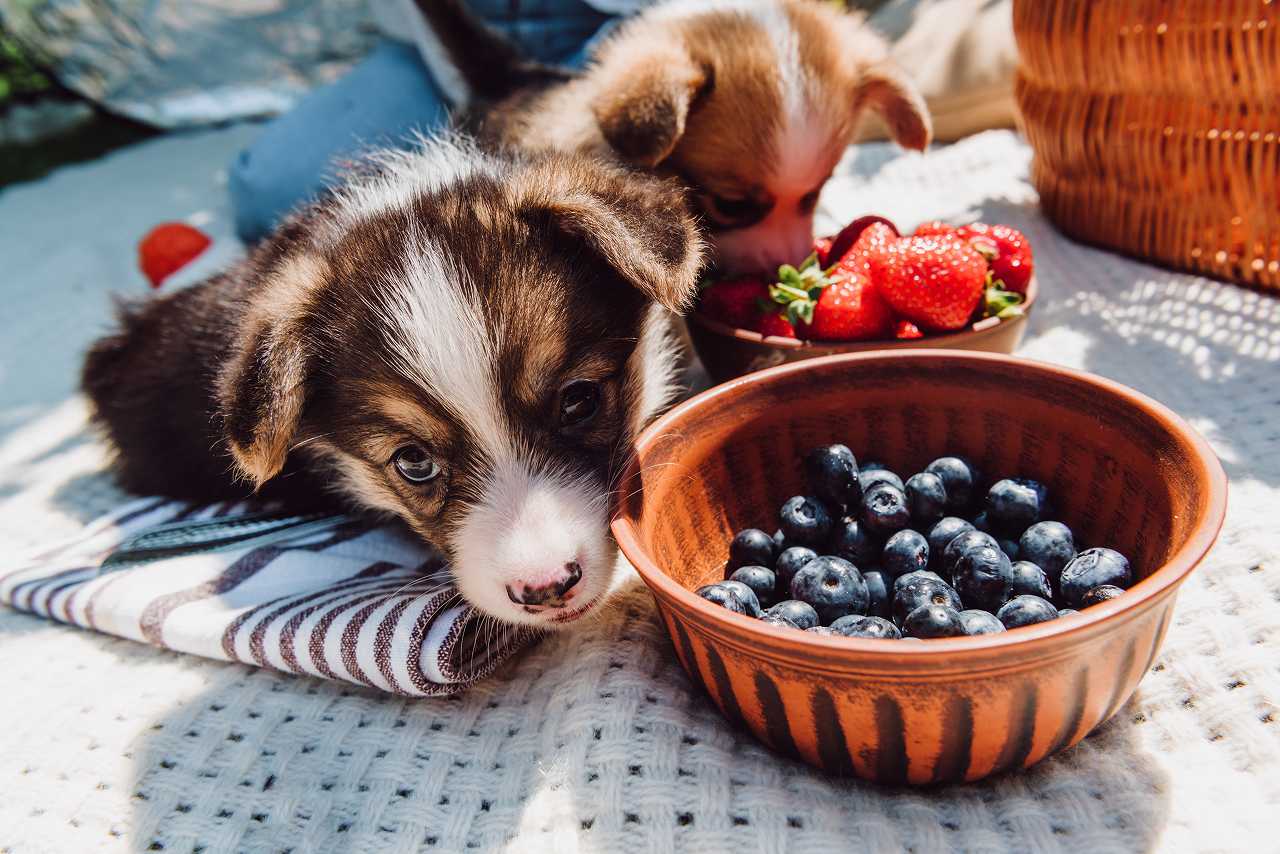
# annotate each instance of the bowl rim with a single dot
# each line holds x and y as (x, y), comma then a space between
(944, 340)
(1027, 638)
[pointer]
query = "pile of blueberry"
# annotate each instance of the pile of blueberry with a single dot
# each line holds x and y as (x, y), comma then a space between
(867, 555)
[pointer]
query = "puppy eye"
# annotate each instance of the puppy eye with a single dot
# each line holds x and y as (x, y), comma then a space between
(736, 213)
(579, 403)
(415, 465)
(733, 208)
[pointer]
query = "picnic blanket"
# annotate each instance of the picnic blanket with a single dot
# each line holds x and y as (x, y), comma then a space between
(593, 740)
(330, 596)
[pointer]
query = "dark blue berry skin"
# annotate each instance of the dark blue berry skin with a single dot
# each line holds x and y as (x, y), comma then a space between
(884, 510)
(1025, 611)
(912, 577)
(820, 630)
(870, 474)
(920, 590)
(960, 478)
(1009, 547)
(779, 542)
(1027, 578)
(746, 595)
(1015, 504)
(833, 586)
(865, 627)
(751, 547)
(1100, 594)
(906, 551)
(805, 521)
(786, 567)
(977, 622)
(981, 577)
(1067, 612)
(727, 597)
(852, 541)
(933, 621)
(926, 499)
(796, 613)
(832, 472)
(941, 534)
(961, 544)
(1049, 545)
(879, 594)
(761, 581)
(982, 523)
(1093, 568)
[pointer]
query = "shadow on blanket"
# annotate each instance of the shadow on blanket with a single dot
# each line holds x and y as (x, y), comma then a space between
(594, 740)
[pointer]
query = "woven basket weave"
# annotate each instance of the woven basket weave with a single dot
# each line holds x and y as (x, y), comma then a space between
(1156, 128)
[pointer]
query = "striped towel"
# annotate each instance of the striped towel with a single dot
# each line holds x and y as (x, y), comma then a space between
(332, 596)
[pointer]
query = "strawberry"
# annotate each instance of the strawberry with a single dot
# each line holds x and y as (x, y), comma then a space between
(773, 323)
(936, 226)
(1007, 251)
(850, 234)
(839, 305)
(822, 248)
(168, 248)
(935, 281)
(907, 330)
(735, 301)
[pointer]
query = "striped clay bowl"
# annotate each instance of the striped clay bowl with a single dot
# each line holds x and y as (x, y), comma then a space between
(1125, 471)
(729, 352)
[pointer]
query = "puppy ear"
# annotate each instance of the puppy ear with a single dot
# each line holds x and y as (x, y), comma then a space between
(886, 89)
(262, 387)
(639, 226)
(644, 99)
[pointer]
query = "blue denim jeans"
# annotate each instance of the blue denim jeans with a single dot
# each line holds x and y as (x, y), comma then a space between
(382, 102)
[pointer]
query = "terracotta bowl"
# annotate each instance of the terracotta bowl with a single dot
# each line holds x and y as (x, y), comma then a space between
(729, 352)
(1124, 471)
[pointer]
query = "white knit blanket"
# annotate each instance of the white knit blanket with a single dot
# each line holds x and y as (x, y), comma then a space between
(594, 740)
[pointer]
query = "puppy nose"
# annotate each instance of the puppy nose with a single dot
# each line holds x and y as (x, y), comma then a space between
(547, 594)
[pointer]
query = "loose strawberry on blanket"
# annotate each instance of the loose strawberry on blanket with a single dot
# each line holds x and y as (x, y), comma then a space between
(735, 301)
(168, 248)
(1007, 251)
(935, 281)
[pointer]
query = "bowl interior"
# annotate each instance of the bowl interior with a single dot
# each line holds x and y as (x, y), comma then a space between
(1123, 472)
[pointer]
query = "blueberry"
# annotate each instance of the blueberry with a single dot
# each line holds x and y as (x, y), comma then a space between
(761, 581)
(751, 547)
(982, 523)
(961, 544)
(1099, 594)
(779, 542)
(854, 626)
(870, 474)
(912, 577)
(1093, 568)
(745, 594)
(833, 475)
(941, 534)
(920, 590)
(730, 597)
(1025, 610)
(796, 613)
(906, 551)
(805, 521)
(820, 630)
(787, 565)
(832, 585)
(1067, 612)
(977, 622)
(961, 479)
(1009, 547)
(854, 543)
(1027, 578)
(926, 498)
(1016, 503)
(933, 621)
(1049, 545)
(884, 510)
(981, 577)
(879, 596)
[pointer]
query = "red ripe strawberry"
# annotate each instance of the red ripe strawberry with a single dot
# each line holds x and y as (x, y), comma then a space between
(936, 226)
(906, 330)
(844, 240)
(935, 282)
(850, 309)
(168, 248)
(776, 324)
(735, 301)
(822, 248)
(874, 239)
(1006, 249)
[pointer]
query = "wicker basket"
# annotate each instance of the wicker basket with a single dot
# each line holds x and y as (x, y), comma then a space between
(1156, 128)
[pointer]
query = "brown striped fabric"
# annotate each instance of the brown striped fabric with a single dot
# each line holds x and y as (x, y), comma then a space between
(351, 600)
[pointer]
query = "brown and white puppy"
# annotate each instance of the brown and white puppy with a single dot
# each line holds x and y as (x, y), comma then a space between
(751, 103)
(463, 340)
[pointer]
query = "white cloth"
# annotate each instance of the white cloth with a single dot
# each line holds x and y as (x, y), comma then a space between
(594, 741)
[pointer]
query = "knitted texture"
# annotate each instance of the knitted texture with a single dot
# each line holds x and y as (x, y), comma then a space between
(594, 740)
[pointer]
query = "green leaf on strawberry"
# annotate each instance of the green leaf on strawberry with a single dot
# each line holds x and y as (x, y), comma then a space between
(1000, 302)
